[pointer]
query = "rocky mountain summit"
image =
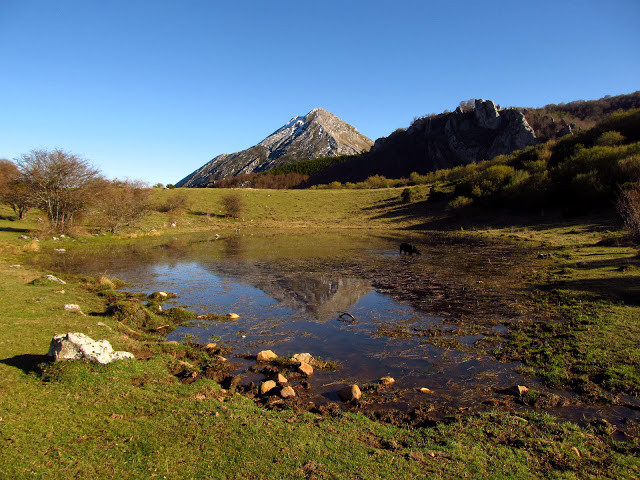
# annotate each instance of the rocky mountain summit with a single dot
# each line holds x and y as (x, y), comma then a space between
(316, 134)
(439, 141)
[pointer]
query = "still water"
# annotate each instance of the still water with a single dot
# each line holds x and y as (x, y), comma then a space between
(291, 292)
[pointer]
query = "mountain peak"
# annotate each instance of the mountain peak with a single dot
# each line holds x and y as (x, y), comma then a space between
(317, 134)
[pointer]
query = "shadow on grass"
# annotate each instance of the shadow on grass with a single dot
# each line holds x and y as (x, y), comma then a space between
(28, 363)
(437, 216)
(206, 214)
(616, 289)
(11, 229)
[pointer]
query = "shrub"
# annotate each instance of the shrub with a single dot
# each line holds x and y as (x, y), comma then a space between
(610, 138)
(629, 208)
(377, 181)
(630, 168)
(438, 193)
(406, 196)
(233, 205)
(460, 202)
(121, 203)
(60, 183)
(175, 202)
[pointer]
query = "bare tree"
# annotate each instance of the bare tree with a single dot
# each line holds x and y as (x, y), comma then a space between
(233, 205)
(61, 184)
(122, 202)
(13, 191)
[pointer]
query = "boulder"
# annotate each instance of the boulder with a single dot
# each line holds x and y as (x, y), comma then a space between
(233, 316)
(52, 278)
(78, 346)
(266, 356)
(267, 386)
(303, 358)
(425, 390)
(287, 392)
(350, 393)
(72, 307)
(305, 369)
(281, 379)
(387, 381)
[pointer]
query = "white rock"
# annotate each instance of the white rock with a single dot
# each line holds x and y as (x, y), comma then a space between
(303, 358)
(72, 307)
(51, 278)
(76, 346)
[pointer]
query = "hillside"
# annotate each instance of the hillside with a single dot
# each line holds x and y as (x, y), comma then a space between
(440, 141)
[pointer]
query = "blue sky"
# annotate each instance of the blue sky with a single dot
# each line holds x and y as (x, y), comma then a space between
(152, 89)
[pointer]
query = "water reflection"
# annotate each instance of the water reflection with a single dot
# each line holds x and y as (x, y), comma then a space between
(290, 290)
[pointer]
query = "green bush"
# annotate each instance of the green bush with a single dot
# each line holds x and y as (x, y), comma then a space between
(377, 181)
(406, 196)
(438, 193)
(460, 202)
(610, 138)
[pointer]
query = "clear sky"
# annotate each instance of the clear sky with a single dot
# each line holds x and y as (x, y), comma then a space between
(153, 89)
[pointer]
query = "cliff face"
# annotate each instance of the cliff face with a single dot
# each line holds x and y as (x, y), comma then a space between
(441, 141)
(317, 134)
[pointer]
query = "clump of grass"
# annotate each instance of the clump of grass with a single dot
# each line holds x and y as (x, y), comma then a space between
(179, 314)
(397, 331)
(104, 283)
(31, 247)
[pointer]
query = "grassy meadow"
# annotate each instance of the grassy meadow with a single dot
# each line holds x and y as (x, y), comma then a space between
(134, 419)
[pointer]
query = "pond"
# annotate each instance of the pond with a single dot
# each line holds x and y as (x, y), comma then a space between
(428, 320)
(350, 298)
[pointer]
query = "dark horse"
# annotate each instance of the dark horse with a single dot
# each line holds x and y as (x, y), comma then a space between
(409, 249)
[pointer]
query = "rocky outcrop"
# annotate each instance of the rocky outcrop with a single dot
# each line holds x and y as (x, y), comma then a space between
(314, 135)
(439, 141)
(78, 346)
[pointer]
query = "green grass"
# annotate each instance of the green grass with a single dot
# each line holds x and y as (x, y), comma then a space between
(278, 209)
(134, 419)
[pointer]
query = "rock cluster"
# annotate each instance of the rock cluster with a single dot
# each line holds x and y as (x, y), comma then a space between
(78, 346)
(438, 141)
